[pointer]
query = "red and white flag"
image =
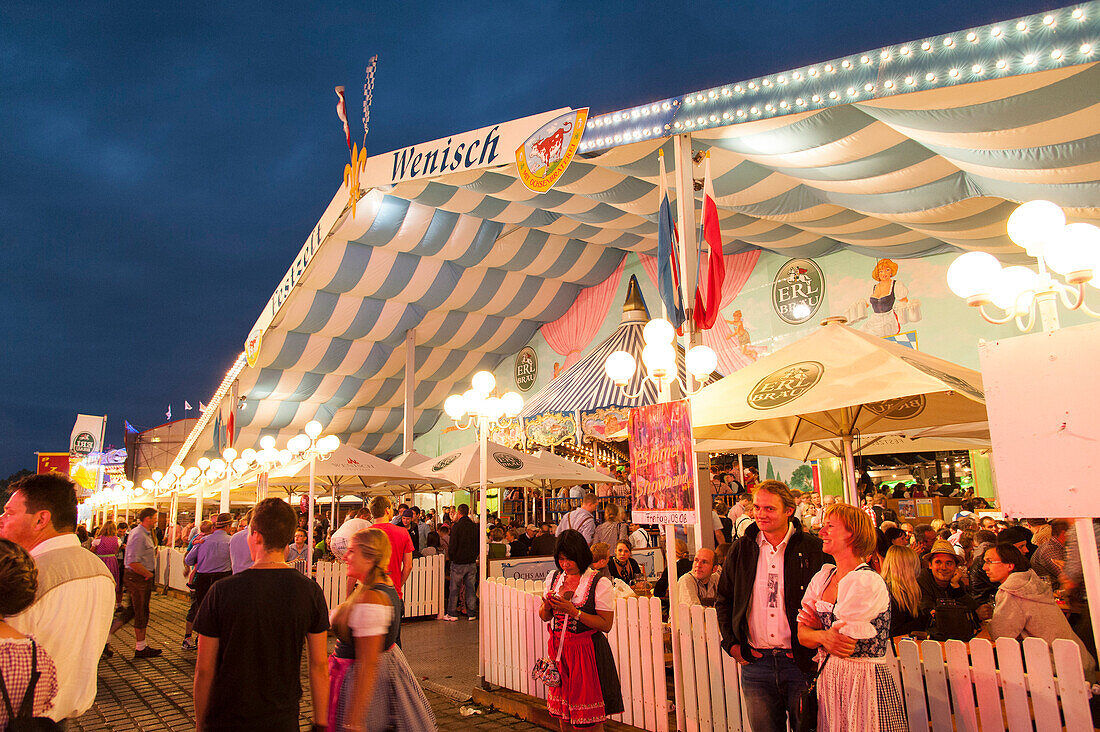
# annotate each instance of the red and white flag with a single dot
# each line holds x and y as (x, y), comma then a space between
(708, 304)
(342, 112)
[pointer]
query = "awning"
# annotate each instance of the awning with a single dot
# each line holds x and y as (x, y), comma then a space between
(908, 150)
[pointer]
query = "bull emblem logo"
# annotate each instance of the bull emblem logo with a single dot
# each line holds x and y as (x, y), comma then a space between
(544, 156)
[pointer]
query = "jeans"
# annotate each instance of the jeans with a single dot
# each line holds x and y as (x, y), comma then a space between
(772, 685)
(463, 573)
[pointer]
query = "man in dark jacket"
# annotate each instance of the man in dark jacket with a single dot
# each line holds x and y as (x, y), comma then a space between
(463, 550)
(759, 594)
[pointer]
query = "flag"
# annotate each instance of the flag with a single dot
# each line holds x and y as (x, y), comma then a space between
(186, 406)
(218, 431)
(86, 437)
(202, 408)
(342, 112)
(231, 422)
(130, 429)
(168, 414)
(668, 264)
(707, 306)
(368, 92)
(53, 462)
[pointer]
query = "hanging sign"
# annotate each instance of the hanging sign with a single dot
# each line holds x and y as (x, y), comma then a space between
(526, 369)
(544, 156)
(797, 291)
(662, 464)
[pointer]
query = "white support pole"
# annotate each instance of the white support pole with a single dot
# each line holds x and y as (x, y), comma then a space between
(1090, 567)
(309, 520)
(223, 504)
(410, 379)
(849, 471)
(483, 556)
(198, 503)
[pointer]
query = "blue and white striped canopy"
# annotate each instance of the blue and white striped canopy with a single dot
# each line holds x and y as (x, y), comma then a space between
(904, 151)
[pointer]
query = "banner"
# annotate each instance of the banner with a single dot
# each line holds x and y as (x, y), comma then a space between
(86, 437)
(662, 464)
(53, 462)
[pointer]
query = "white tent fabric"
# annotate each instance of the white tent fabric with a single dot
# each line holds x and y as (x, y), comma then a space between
(507, 467)
(908, 150)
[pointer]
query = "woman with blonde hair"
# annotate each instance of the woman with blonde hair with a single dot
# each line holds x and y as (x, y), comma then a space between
(613, 529)
(886, 296)
(900, 570)
(846, 615)
(371, 686)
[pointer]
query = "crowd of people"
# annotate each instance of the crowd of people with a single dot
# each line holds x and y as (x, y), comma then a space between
(809, 594)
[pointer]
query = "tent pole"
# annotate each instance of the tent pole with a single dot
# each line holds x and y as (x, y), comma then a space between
(333, 509)
(410, 369)
(309, 519)
(849, 471)
(483, 555)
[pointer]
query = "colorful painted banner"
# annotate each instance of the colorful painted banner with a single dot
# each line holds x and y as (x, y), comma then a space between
(53, 462)
(662, 464)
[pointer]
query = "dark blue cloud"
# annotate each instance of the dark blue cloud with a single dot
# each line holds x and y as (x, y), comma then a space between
(163, 162)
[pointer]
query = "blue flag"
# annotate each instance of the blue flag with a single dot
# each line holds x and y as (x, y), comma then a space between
(668, 275)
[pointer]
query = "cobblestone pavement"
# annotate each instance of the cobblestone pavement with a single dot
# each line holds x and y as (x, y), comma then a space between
(155, 694)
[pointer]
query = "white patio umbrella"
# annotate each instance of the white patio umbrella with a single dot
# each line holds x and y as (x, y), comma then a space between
(344, 465)
(837, 384)
(507, 467)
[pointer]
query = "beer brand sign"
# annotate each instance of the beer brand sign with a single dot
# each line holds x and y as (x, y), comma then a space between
(507, 461)
(526, 369)
(544, 156)
(900, 408)
(785, 385)
(797, 291)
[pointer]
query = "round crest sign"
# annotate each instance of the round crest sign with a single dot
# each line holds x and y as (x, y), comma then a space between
(797, 291)
(526, 369)
(507, 461)
(444, 462)
(83, 443)
(785, 385)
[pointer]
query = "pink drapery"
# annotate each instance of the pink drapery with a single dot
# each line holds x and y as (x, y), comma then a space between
(569, 334)
(721, 337)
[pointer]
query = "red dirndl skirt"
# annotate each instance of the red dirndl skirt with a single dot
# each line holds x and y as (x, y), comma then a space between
(579, 699)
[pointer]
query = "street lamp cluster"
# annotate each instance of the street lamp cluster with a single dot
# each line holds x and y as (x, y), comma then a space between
(1069, 250)
(659, 359)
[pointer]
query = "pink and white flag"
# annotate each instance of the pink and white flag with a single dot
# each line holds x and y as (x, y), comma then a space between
(342, 112)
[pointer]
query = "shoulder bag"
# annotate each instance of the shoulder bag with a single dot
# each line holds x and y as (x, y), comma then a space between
(25, 721)
(545, 669)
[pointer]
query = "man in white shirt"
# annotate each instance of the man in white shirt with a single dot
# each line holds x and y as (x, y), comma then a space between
(700, 585)
(639, 537)
(71, 614)
(759, 595)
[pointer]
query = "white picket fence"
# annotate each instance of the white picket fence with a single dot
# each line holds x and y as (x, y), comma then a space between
(518, 637)
(423, 590)
(945, 686)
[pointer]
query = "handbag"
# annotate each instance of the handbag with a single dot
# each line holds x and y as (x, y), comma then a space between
(807, 703)
(545, 669)
(25, 721)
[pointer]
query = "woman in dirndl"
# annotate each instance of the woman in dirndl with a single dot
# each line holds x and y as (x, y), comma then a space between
(371, 686)
(846, 615)
(579, 605)
(105, 545)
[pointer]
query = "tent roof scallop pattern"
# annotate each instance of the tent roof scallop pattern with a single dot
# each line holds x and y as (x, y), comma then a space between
(904, 151)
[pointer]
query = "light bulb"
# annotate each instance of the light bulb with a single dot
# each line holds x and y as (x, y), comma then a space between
(658, 331)
(298, 443)
(313, 429)
(285, 456)
(701, 361)
(472, 400)
(192, 473)
(973, 274)
(239, 465)
(513, 403)
(328, 443)
(148, 484)
(218, 466)
(248, 455)
(177, 470)
(659, 359)
(494, 409)
(455, 406)
(229, 454)
(267, 442)
(157, 475)
(619, 367)
(1012, 289)
(1034, 223)
(203, 463)
(484, 382)
(139, 492)
(1074, 252)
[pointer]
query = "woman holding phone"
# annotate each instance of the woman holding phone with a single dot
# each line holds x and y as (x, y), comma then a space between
(579, 605)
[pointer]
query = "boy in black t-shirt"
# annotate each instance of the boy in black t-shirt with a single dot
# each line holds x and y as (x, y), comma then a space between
(251, 629)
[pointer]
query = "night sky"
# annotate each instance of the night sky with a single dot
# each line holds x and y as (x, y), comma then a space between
(161, 166)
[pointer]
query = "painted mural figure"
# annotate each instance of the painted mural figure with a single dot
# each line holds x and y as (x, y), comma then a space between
(889, 302)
